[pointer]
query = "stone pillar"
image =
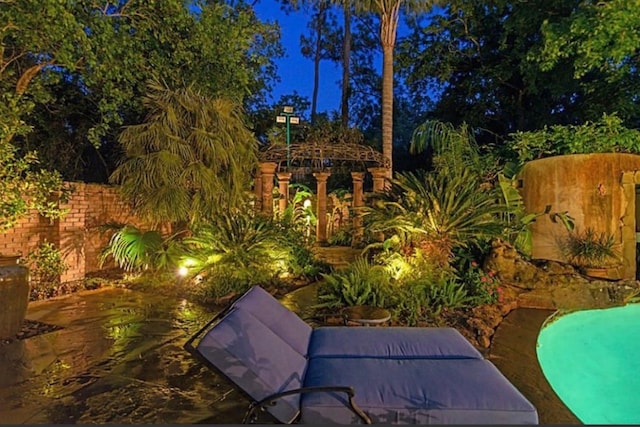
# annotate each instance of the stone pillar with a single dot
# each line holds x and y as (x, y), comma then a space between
(257, 191)
(358, 202)
(283, 187)
(267, 171)
(379, 175)
(629, 227)
(321, 209)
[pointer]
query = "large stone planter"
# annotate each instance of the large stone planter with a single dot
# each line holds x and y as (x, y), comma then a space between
(14, 296)
(598, 190)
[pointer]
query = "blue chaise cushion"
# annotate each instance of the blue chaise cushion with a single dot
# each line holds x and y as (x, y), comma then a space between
(391, 342)
(255, 358)
(415, 391)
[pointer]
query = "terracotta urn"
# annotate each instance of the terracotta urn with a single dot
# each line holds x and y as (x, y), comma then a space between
(14, 295)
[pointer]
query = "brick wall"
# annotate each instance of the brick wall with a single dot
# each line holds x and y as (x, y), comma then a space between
(77, 234)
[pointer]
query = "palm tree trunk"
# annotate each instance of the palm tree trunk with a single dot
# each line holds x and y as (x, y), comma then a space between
(346, 59)
(387, 107)
(388, 29)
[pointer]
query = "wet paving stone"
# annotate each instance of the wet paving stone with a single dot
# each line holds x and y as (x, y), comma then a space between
(117, 357)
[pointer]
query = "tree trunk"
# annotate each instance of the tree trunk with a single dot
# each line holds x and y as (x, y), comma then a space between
(387, 107)
(322, 16)
(388, 29)
(346, 60)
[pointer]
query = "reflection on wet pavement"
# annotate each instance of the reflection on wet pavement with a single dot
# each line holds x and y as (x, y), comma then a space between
(118, 359)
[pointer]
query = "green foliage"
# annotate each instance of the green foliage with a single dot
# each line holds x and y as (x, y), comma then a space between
(595, 36)
(191, 159)
(518, 221)
(110, 50)
(483, 286)
(589, 248)
(134, 249)
(23, 187)
(425, 299)
(361, 283)
(503, 66)
(449, 294)
(243, 243)
(608, 135)
(341, 237)
(452, 148)
(45, 265)
(436, 212)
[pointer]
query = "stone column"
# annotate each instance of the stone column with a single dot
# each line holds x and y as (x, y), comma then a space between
(267, 171)
(379, 175)
(283, 187)
(358, 202)
(321, 209)
(629, 227)
(257, 191)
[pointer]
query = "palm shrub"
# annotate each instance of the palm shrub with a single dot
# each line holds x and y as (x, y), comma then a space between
(190, 159)
(135, 249)
(238, 248)
(361, 283)
(436, 212)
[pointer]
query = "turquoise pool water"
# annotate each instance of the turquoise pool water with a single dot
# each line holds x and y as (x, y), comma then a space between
(592, 361)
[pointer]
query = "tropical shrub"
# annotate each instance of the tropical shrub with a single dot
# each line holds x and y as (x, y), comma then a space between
(244, 243)
(45, 265)
(24, 187)
(296, 227)
(191, 159)
(484, 287)
(341, 237)
(436, 212)
(134, 249)
(448, 294)
(361, 283)
(426, 298)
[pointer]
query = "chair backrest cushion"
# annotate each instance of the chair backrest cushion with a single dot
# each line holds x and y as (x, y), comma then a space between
(282, 321)
(256, 359)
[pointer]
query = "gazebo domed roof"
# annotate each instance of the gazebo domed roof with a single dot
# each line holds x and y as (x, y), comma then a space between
(320, 156)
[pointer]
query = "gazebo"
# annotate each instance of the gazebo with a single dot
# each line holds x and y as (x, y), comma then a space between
(319, 159)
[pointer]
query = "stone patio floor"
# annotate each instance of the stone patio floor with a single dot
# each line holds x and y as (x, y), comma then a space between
(118, 358)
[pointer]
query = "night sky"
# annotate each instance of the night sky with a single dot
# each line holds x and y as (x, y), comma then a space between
(295, 71)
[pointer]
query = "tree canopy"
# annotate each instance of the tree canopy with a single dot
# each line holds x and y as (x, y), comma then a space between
(497, 66)
(99, 55)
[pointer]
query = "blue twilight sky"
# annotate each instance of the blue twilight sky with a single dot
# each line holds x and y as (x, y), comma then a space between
(296, 71)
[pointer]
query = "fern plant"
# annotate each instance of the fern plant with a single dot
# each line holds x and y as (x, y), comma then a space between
(359, 284)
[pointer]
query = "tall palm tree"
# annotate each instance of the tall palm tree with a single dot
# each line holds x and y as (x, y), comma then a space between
(191, 159)
(389, 13)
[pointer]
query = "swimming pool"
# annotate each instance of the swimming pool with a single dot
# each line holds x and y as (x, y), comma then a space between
(592, 361)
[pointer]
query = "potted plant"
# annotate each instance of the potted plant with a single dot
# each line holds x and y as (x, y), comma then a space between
(23, 189)
(592, 252)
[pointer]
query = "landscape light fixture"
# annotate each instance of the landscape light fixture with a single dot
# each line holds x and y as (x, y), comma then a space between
(288, 118)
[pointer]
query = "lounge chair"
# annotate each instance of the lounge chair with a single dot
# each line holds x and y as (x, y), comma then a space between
(354, 375)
